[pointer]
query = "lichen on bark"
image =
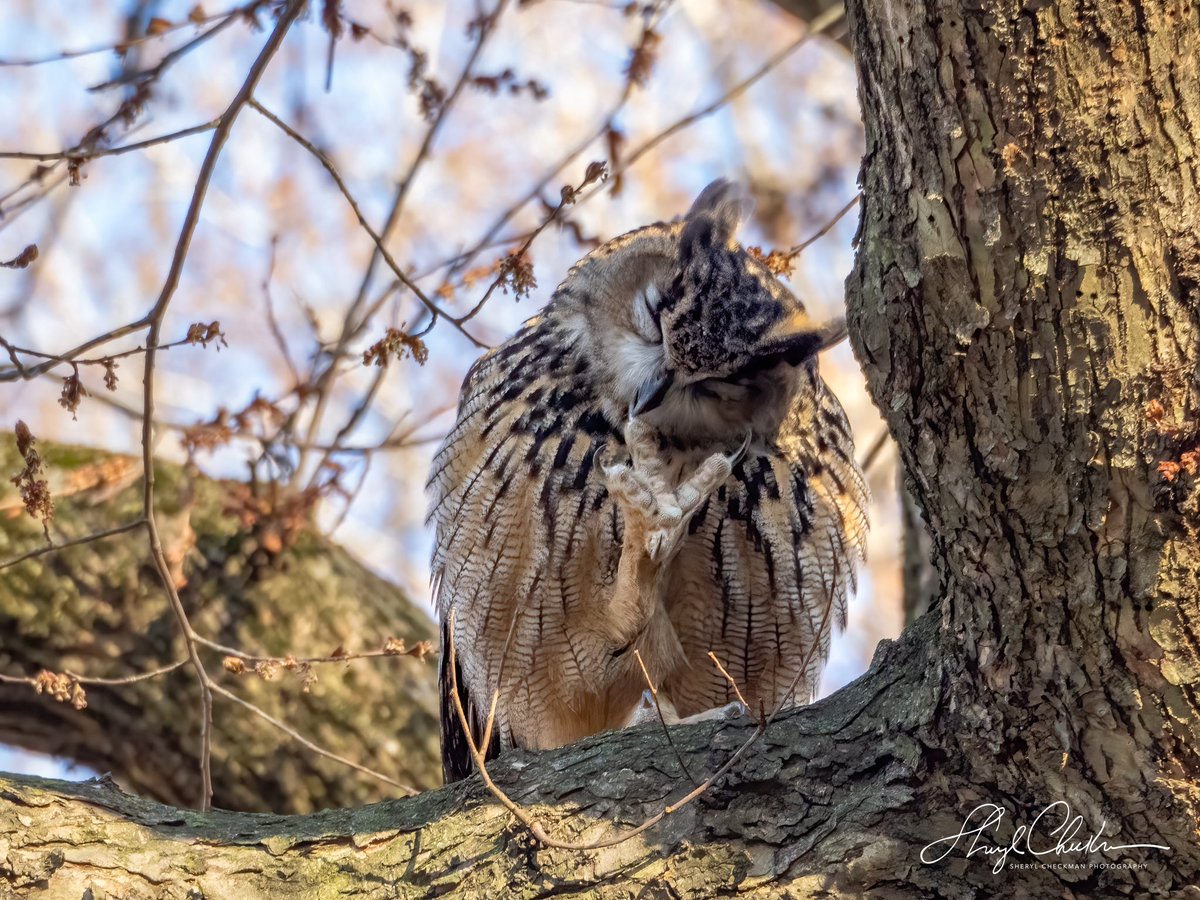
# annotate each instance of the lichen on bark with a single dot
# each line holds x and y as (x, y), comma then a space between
(99, 610)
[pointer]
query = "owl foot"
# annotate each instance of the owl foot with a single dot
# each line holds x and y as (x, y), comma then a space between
(655, 509)
(647, 711)
(734, 710)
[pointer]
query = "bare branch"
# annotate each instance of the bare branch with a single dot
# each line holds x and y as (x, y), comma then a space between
(89, 154)
(155, 320)
(362, 221)
(122, 46)
(351, 328)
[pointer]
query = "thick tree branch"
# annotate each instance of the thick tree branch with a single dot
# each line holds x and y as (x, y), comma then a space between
(835, 780)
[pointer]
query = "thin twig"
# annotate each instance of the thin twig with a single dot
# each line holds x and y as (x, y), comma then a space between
(661, 718)
(272, 321)
(729, 678)
(362, 221)
(569, 197)
(130, 679)
(155, 72)
(419, 650)
(155, 320)
(820, 24)
(99, 535)
(875, 452)
(301, 739)
(828, 227)
(351, 328)
(125, 112)
(490, 238)
(87, 155)
(98, 360)
(27, 62)
(28, 372)
(33, 681)
(534, 826)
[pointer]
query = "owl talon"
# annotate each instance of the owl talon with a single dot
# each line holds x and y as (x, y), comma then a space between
(740, 454)
(655, 509)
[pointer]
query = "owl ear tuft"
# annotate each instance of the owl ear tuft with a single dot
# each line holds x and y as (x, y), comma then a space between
(719, 210)
(797, 339)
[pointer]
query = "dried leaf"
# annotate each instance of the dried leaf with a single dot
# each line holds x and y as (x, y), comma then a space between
(202, 334)
(516, 272)
(73, 393)
(645, 54)
(22, 259)
(34, 491)
(395, 344)
(1190, 461)
(62, 688)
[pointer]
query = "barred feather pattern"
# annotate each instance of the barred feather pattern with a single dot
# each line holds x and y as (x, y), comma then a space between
(528, 542)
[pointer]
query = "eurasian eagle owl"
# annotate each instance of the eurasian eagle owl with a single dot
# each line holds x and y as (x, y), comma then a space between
(652, 463)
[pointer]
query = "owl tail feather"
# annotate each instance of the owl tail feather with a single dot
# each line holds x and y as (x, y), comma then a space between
(456, 750)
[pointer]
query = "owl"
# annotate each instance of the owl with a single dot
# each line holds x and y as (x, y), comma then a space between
(653, 464)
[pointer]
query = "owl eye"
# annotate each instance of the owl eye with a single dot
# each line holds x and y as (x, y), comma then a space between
(646, 316)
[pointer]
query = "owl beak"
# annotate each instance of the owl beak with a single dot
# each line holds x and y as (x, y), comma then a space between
(650, 393)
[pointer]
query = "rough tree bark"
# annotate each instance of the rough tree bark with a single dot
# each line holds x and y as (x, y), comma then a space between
(99, 610)
(1026, 305)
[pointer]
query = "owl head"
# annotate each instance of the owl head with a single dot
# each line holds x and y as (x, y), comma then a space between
(690, 330)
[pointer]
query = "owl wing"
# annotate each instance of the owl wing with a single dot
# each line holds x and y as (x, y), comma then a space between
(763, 575)
(525, 536)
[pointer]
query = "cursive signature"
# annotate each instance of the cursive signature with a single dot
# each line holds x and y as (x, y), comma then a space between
(1027, 840)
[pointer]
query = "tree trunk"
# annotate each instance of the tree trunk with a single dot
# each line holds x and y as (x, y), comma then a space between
(99, 610)
(1025, 303)
(918, 574)
(1024, 298)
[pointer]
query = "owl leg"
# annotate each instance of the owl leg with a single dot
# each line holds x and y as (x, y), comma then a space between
(655, 513)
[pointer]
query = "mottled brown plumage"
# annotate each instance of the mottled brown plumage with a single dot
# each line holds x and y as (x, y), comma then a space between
(651, 463)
